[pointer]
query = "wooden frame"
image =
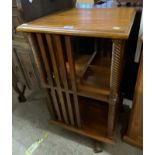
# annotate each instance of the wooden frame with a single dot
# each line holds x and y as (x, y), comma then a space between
(83, 103)
(134, 133)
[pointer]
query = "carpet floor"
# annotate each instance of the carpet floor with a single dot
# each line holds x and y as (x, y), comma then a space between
(30, 122)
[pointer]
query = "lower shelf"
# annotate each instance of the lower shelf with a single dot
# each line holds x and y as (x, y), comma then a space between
(136, 143)
(94, 118)
(84, 132)
(94, 115)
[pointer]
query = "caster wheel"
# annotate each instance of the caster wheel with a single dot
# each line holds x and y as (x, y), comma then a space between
(98, 147)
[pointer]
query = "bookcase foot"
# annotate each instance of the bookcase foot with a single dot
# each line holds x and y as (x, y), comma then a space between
(98, 146)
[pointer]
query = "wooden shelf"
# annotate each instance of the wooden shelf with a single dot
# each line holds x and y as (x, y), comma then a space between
(80, 63)
(93, 127)
(97, 124)
(96, 80)
(84, 132)
(93, 76)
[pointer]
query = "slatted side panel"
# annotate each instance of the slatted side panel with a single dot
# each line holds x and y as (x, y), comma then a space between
(54, 55)
(47, 68)
(73, 78)
(62, 69)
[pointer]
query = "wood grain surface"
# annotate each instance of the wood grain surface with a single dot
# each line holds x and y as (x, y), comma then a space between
(109, 23)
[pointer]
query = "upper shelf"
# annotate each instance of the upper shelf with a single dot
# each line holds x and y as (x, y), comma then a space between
(95, 22)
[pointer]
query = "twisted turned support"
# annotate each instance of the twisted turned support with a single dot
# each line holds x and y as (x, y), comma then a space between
(115, 81)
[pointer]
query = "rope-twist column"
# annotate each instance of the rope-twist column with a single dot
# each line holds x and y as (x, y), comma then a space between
(115, 81)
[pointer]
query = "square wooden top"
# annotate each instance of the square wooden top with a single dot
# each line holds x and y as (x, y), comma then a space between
(95, 22)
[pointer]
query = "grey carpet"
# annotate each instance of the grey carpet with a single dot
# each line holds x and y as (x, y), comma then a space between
(30, 122)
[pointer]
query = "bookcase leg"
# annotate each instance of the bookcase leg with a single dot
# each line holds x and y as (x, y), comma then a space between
(111, 119)
(98, 146)
(115, 81)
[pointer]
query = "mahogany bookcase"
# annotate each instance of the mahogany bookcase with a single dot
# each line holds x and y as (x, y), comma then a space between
(84, 88)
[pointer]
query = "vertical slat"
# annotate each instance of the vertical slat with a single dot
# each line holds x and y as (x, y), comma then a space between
(62, 70)
(73, 78)
(47, 68)
(49, 105)
(57, 79)
(34, 48)
(115, 80)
